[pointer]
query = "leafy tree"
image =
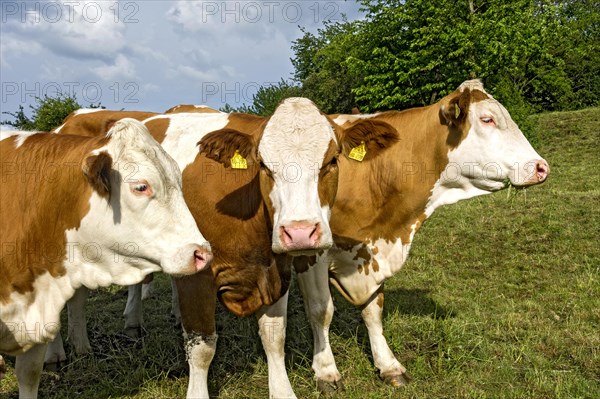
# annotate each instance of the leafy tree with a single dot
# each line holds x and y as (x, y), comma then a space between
(48, 113)
(533, 55)
(421, 50)
(321, 65)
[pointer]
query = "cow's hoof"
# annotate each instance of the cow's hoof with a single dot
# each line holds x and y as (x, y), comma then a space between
(396, 380)
(326, 387)
(133, 332)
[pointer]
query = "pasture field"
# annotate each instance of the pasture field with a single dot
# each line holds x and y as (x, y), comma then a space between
(500, 298)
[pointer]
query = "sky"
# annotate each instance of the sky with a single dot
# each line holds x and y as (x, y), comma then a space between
(151, 55)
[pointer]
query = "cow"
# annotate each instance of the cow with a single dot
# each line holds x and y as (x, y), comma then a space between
(83, 211)
(186, 108)
(463, 146)
(261, 189)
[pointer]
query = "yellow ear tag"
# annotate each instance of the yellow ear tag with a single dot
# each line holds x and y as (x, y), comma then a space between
(238, 161)
(358, 153)
(456, 111)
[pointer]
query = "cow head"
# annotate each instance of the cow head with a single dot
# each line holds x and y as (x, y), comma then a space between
(138, 215)
(297, 153)
(487, 148)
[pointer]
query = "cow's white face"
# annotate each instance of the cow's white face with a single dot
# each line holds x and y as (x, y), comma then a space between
(495, 151)
(298, 151)
(137, 215)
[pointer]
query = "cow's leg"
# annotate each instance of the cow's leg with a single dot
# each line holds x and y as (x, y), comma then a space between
(28, 368)
(197, 303)
(175, 312)
(314, 285)
(272, 321)
(390, 369)
(133, 313)
(55, 353)
(78, 335)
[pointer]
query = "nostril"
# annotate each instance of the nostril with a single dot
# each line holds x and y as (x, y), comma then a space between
(199, 255)
(315, 233)
(542, 169)
(286, 235)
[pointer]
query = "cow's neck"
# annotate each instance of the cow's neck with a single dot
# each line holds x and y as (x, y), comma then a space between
(387, 197)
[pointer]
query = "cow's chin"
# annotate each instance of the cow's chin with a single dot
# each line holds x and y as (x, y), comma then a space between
(302, 251)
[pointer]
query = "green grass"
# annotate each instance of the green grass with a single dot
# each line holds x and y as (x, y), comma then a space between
(500, 299)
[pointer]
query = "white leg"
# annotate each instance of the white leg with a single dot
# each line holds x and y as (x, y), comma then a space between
(28, 368)
(134, 311)
(78, 335)
(55, 354)
(314, 285)
(272, 322)
(390, 369)
(175, 303)
(200, 350)
(147, 290)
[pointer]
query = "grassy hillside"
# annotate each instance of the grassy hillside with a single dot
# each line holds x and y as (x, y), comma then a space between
(500, 299)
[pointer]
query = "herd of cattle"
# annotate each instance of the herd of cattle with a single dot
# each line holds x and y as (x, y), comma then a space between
(229, 204)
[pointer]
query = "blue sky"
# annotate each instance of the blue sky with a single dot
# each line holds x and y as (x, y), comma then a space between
(151, 55)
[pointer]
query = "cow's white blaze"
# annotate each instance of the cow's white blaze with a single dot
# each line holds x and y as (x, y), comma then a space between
(293, 147)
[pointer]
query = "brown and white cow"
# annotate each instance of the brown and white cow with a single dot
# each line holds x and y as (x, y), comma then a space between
(84, 211)
(253, 217)
(461, 147)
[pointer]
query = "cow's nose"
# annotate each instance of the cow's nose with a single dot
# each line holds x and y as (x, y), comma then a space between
(300, 235)
(542, 169)
(202, 256)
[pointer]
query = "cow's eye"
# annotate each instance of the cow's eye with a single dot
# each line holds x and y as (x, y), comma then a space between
(141, 188)
(332, 165)
(487, 120)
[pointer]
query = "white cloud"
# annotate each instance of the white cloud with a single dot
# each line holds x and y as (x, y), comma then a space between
(122, 68)
(80, 30)
(152, 54)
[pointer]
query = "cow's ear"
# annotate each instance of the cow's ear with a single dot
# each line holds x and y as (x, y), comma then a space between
(230, 147)
(96, 169)
(367, 138)
(454, 113)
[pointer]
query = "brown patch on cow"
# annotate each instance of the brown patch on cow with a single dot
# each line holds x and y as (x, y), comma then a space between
(303, 263)
(364, 254)
(97, 170)
(244, 202)
(380, 298)
(375, 265)
(158, 128)
(44, 194)
(328, 176)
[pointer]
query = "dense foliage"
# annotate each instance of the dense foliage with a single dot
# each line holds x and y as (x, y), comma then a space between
(534, 55)
(47, 113)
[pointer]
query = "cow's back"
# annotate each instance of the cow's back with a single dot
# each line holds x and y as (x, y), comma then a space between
(95, 122)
